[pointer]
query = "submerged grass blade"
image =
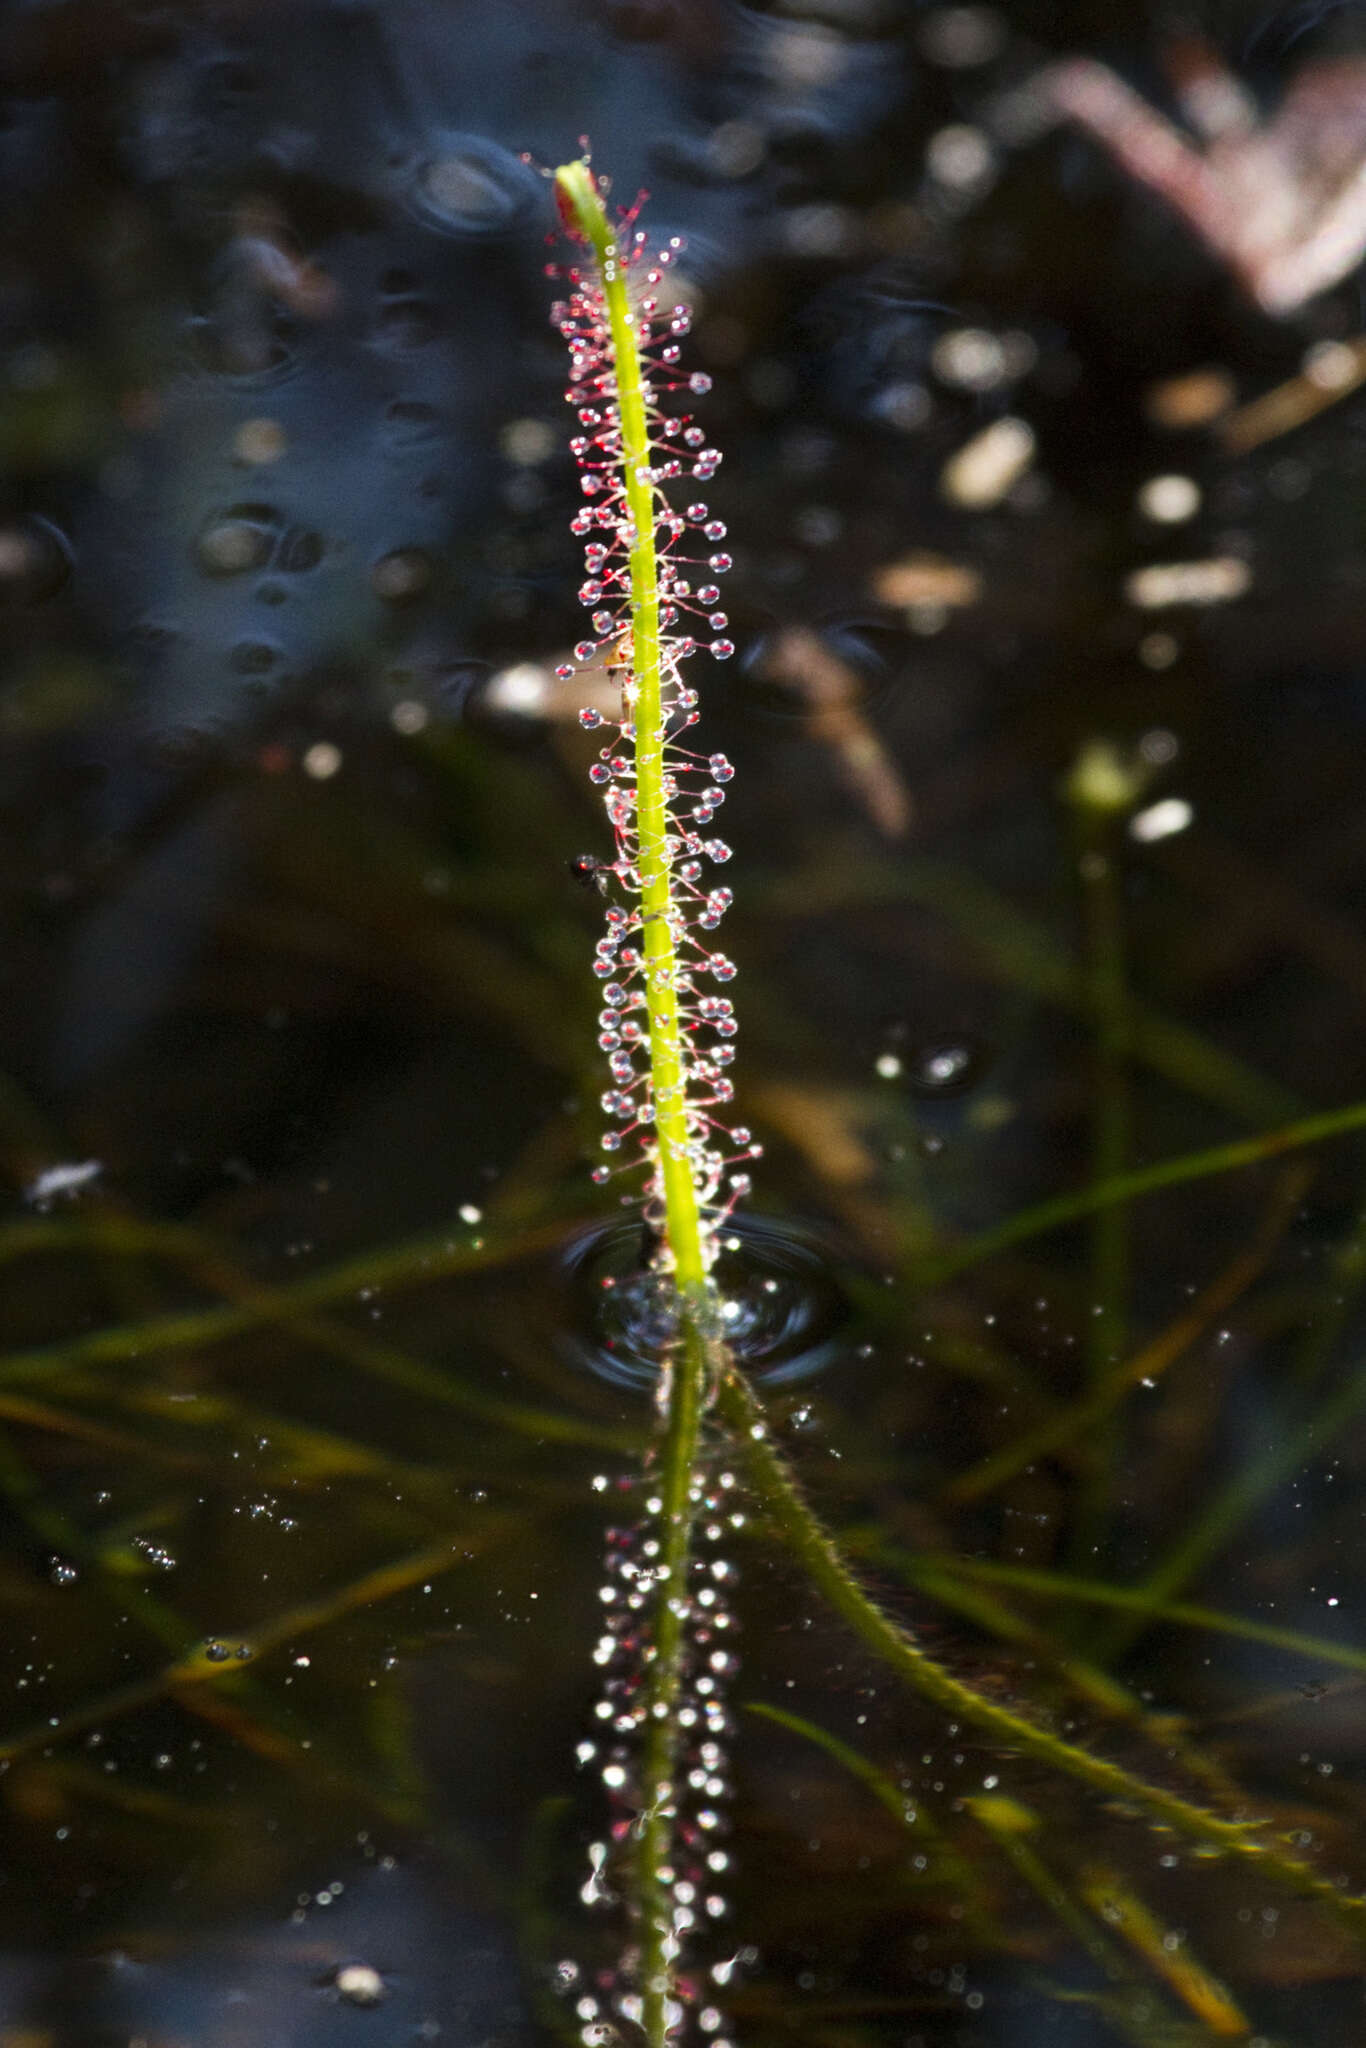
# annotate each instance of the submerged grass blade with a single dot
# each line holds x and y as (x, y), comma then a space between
(1291, 1445)
(1132, 2009)
(1014, 950)
(1099, 798)
(948, 1869)
(816, 1550)
(1080, 1418)
(1167, 1954)
(208, 1667)
(1060, 1210)
(1068, 1586)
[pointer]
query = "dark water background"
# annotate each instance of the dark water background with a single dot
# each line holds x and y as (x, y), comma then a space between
(303, 1368)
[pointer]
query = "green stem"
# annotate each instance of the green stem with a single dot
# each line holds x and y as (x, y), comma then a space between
(683, 1227)
(684, 1389)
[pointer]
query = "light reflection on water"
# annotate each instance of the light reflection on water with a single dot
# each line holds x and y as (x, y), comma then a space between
(782, 1313)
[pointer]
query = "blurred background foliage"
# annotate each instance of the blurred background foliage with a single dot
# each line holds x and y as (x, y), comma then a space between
(1037, 339)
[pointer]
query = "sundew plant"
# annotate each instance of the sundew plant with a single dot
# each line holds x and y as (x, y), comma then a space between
(660, 1746)
(669, 1035)
(915, 1602)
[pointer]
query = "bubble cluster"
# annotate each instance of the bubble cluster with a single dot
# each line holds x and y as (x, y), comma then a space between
(696, 1799)
(627, 959)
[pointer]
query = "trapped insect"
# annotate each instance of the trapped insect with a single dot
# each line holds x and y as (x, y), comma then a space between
(591, 872)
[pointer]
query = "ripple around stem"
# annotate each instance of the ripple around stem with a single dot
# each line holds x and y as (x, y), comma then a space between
(782, 1309)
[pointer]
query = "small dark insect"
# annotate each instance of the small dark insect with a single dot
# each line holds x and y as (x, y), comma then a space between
(590, 871)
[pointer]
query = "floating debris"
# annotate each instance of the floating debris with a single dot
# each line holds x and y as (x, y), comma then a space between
(970, 359)
(960, 38)
(322, 761)
(1161, 820)
(1216, 581)
(988, 466)
(805, 662)
(1195, 398)
(62, 1182)
(1330, 370)
(919, 579)
(359, 1984)
(1281, 201)
(961, 158)
(1168, 500)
